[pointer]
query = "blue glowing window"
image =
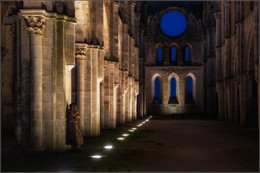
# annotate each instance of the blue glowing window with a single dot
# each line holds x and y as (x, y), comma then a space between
(189, 87)
(187, 53)
(157, 88)
(173, 88)
(159, 54)
(173, 23)
(173, 54)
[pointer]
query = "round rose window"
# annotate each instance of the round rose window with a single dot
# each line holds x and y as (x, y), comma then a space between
(173, 23)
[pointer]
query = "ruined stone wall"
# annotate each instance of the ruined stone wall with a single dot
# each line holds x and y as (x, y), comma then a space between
(62, 52)
(209, 57)
(237, 56)
(181, 70)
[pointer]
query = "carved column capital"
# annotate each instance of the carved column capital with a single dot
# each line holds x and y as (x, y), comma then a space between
(116, 3)
(137, 16)
(108, 4)
(81, 52)
(217, 15)
(132, 3)
(35, 24)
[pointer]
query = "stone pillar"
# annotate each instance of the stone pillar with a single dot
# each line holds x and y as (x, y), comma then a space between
(115, 29)
(121, 99)
(256, 54)
(102, 106)
(132, 16)
(136, 30)
(81, 56)
(109, 95)
(218, 28)
(95, 116)
(35, 28)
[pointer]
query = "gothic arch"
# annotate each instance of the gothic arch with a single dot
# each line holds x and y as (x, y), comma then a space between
(194, 83)
(173, 75)
(156, 75)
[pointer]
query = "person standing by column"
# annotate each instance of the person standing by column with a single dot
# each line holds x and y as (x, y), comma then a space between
(73, 134)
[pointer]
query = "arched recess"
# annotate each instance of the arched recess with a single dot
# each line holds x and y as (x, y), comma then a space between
(187, 53)
(173, 53)
(190, 85)
(159, 53)
(154, 88)
(172, 98)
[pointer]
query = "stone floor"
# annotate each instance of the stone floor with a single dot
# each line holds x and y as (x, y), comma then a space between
(162, 144)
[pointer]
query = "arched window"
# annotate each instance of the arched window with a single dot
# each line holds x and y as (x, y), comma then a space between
(173, 54)
(173, 88)
(159, 54)
(187, 54)
(189, 91)
(173, 95)
(157, 89)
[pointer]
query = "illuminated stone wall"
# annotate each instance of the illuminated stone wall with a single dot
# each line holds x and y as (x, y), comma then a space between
(63, 52)
(102, 56)
(180, 69)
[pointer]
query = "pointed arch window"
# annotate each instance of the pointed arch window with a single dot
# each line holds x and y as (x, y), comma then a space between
(159, 54)
(173, 92)
(189, 91)
(173, 54)
(157, 89)
(187, 54)
(173, 88)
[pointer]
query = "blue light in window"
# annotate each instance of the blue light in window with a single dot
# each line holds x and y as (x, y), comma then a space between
(173, 88)
(189, 87)
(157, 88)
(159, 58)
(187, 53)
(173, 23)
(173, 54)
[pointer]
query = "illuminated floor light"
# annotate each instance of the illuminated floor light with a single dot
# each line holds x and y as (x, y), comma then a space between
(131, 130)
(134, 128)
(120, 139)
(125, 134)
(96, 156)
(108, 147)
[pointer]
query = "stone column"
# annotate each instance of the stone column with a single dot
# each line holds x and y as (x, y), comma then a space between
(35, 28)
(80, 56)
(102, 114)
(121, 99)
(131, 17)
(95, 90)
(136, 30)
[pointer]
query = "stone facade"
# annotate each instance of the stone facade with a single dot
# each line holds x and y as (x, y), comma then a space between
(103, 56)
(180, 69)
